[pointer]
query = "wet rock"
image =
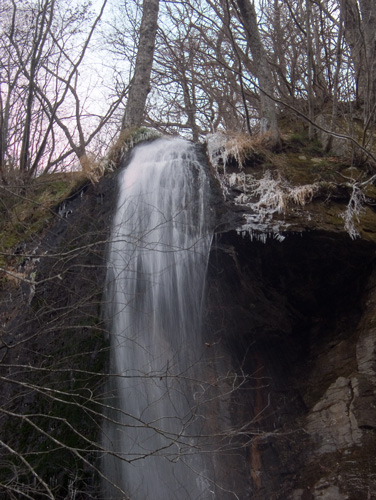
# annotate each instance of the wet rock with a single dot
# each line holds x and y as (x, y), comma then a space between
(364, 402)
(331, 422)
(366, 353)
(298, 314)
(326, 490)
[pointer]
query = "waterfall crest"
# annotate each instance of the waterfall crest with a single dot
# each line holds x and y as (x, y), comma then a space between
(157, 263)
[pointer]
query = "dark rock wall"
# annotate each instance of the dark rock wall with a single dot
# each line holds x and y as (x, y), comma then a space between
(297, 317)
(53, 351)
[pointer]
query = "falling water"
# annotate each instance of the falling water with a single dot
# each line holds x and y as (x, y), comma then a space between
(157, 265)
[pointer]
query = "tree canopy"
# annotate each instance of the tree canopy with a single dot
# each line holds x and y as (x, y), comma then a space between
(67, 70)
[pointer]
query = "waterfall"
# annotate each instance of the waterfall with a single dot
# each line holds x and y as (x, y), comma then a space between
(156, 273)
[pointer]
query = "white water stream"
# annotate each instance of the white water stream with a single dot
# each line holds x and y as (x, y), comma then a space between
(157, 265)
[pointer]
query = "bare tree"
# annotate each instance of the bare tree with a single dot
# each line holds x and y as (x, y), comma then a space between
(41, 82)
(359, 20)
(140, 83)
(268, 113)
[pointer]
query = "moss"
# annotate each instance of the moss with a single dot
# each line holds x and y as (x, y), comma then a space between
(9, 240)
(367, 226)
(370, 191)
(27, 213)
(298, 139)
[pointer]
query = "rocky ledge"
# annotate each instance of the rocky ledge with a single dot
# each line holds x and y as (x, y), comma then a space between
(292, 293)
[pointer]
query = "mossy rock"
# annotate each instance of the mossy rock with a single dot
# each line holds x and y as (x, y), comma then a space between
(367, 224)
(27, 212)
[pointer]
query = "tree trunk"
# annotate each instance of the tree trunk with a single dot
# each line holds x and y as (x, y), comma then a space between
(361, 36)
(368, 12)
(336, 81)
(44, 18)
(268, 114)
(140, 84)
(309, 68)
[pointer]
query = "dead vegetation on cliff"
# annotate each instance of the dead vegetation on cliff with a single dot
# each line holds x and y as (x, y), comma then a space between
(272, 187)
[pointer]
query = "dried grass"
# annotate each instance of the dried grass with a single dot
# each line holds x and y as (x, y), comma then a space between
(127, 139)
(237, 146)
(90, 167)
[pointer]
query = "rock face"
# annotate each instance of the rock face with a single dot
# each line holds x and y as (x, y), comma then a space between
(53, 353)
(298, 312)
(292, 298)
